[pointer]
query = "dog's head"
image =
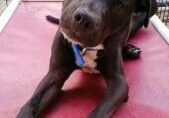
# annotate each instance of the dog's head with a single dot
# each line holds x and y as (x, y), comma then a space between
(90, 22)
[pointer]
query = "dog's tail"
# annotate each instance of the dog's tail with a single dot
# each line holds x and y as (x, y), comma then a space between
(52, 19)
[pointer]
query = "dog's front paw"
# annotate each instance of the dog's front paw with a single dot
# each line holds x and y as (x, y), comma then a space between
(96, 114)
(92, 115)
(25, 113)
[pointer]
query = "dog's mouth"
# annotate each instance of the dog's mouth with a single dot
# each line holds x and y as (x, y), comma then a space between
(71, 37)
(84, 39)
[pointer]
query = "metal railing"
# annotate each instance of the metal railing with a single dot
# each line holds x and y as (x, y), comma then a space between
(163, 11)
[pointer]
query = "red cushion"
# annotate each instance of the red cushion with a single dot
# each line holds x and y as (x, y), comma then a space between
(25, 46)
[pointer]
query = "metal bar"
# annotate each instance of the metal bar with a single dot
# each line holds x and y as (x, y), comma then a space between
(6, 15)
(161, 28)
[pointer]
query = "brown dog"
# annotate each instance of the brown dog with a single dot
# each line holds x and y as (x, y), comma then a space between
(99, 30)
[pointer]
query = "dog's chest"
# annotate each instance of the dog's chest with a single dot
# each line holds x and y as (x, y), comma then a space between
(90, 56)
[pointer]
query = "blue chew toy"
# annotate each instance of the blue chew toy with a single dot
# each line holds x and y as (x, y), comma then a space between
(78, 56)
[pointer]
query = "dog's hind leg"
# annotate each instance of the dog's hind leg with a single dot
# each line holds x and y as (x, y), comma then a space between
(137, 22)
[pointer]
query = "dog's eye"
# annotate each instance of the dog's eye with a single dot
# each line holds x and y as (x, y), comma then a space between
(119, 8)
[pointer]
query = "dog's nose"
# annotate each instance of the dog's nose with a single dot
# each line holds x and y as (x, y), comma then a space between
(82, 20)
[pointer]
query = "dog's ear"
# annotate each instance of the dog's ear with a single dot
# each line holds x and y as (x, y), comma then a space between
(148, 6)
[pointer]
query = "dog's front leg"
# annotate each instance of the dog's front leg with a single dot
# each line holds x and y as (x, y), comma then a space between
(112, 70)
(61, 66)
(45, 94)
